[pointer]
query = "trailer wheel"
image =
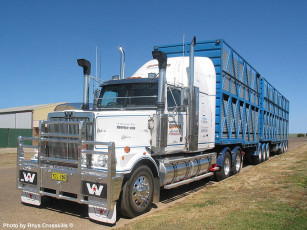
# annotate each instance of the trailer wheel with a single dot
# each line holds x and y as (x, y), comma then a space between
(225, 171)
(267, 156)
(282, 147)
(258, 158)
(137, 193)
(279, 149)
(286, 146)
(237, 164)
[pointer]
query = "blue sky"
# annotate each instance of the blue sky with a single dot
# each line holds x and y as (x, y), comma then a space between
(41, 40)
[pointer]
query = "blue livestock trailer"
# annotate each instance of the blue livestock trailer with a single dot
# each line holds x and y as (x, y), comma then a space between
(250, 112)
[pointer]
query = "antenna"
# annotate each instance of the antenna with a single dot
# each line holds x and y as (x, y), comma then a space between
(183, 40)
(100, 67)
(96, 66)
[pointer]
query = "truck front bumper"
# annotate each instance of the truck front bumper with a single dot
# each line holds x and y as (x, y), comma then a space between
(85, 185)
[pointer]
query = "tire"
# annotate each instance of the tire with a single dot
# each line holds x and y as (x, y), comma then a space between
(237, 164)
(226, 169)
(137, 193)
(279, 151)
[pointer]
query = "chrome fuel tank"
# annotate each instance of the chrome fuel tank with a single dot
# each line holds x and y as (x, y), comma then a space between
(177, 169)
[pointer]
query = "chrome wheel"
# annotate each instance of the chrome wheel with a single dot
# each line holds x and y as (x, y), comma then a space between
(263, 152)
(224, 172)
(267, 151)
(137, 193)
(238, 162)
(227, 166)
(260, 154)
(141, 191)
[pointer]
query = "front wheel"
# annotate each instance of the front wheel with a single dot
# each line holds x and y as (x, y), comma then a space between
(137, 193)
(225, 171)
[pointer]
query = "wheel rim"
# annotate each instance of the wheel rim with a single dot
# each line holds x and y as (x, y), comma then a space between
(268, 153)
(260, 154)
(227, 166)
(141, 190)
(238, 163)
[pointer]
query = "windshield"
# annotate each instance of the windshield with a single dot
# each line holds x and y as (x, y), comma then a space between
(128, 95)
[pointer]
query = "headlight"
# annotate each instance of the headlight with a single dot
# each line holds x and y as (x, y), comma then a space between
(35, 157)
(100, 161)
(83, 159)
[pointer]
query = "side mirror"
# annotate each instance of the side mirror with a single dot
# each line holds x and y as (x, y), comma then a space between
(185, 97)
(96, 97)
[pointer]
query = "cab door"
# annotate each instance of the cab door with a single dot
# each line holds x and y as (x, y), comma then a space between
(176, 120)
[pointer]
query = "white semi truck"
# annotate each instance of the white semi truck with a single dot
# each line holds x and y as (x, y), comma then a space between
(161, 128)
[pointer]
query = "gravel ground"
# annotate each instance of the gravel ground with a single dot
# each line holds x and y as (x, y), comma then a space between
(69, 215)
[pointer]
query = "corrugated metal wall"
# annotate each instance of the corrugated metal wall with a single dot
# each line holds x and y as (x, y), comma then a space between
(21, 120)
(7, 120)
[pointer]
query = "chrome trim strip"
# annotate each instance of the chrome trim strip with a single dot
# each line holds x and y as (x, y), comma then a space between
(169, 186)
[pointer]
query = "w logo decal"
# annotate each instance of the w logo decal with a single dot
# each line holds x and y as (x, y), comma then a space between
(95, 189)
(27, 177)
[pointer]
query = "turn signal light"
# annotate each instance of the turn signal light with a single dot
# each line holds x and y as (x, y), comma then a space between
(127, 149)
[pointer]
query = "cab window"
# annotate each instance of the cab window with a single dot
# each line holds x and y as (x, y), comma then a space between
(173, 98)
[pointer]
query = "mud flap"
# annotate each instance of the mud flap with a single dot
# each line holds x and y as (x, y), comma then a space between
(31, 198)
(102, 214)
(156, 195)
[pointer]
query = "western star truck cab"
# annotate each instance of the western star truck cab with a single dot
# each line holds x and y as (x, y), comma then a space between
(161, 128)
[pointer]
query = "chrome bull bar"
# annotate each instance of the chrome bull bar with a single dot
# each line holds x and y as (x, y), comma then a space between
(76, 176)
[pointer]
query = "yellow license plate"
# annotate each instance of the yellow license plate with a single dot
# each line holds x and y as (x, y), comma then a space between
(59, 176)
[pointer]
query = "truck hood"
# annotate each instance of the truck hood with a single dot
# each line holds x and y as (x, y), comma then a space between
(125, 128)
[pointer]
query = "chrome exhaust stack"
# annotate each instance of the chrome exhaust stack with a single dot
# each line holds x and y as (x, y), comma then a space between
(162, 60)
(191, 64)
(193, 108)
(161, 119)
(122, 62)
(86, 65)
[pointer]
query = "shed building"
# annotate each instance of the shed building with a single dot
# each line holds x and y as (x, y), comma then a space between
(22, 121)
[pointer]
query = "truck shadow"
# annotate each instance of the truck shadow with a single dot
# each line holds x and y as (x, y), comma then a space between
(169, 195)
(67, 207)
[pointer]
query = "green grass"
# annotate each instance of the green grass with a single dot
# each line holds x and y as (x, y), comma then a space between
(272, 195)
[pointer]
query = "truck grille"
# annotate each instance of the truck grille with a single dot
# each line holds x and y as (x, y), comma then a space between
(66, 150)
